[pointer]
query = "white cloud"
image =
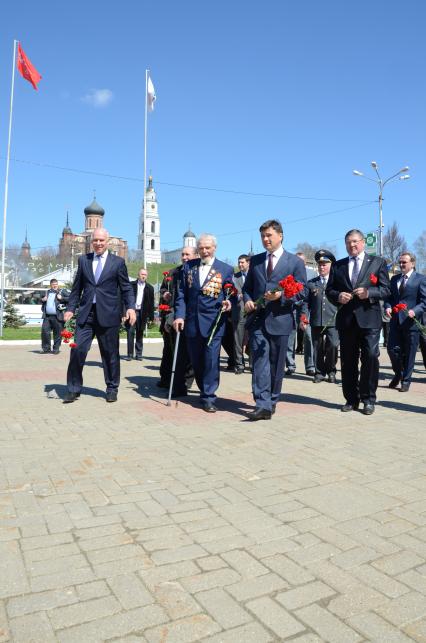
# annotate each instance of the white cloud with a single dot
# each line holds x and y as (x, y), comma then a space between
(98, 97)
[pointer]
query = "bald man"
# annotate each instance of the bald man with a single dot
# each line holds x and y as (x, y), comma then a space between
(100, 280)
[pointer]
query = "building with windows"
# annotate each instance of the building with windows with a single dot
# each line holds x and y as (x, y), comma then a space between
(72, 245)
(174, 256)
(151, 253)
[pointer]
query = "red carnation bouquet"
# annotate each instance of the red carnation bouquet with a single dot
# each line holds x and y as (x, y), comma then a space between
(289, 286)
(164, 308)
(304, 319)
(230, 291)
(68, 333)
(401, 307)
(373, 279)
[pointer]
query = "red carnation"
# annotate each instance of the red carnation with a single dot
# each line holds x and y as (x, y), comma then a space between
(399, 307)
(165, 308)
(231, 290)
(290, 286)
(373, 279)
(304, 319)
(166, 273)
(73, 345)
(169, 278)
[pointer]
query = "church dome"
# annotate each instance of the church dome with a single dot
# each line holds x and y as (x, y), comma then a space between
(94, 208)
(189, 234)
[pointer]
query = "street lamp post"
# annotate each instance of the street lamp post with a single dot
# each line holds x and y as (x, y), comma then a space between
(381, 183)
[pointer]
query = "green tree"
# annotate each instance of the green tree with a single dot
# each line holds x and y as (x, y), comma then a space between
(12, 318)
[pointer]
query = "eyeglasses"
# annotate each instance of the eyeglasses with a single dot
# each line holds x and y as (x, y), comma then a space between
(401, 263)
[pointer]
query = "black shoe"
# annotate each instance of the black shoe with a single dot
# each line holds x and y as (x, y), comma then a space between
(394, 381)
(138, 358)
(182, 393)
(230, 367)
(161, 384)
(404, 387)
(260, 414)
(349, 407)
(318, 378)
(128, 358)
(368, 408)
(111, 396)
(208, 407)
(332, 378)
(289, 372)
(55, 352)
(43, 352)
(70, 397)
(239, 371)
(310, 372)
(274, 408)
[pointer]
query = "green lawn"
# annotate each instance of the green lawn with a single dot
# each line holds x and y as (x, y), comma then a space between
(34, 332)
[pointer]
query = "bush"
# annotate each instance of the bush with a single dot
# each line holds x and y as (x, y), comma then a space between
(12, 318)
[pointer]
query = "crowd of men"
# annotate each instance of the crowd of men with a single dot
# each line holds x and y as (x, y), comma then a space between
(255, 314)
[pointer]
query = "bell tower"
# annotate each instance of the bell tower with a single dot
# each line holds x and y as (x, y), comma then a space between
(152, 252)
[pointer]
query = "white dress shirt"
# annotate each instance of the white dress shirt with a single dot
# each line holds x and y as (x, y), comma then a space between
(139, 296)
(204, 269)
(407, 276)
(276, 254)
(95, 260)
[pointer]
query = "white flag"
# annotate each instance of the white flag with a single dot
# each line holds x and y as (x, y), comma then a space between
(151, 95)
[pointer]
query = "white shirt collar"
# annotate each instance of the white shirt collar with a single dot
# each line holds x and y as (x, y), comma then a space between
(408, 275)
(277, 253)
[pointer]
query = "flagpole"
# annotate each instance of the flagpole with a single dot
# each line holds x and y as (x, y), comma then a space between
(6, 190)
(144, 169)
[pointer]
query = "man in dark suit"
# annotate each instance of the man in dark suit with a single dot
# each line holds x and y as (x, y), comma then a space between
(184, 373)
(321, 313)
(52, 307)
(143, 293)
(199, 300)
(238, 317)
(101, 278)
(270, 325)
(408, 287)
(357, 284)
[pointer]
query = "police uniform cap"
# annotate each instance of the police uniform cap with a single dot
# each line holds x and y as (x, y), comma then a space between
(325, 256)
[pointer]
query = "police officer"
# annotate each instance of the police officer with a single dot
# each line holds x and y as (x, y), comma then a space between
(321, 314)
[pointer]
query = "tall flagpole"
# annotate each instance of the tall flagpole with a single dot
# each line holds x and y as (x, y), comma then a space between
(6, 190)
(144, 169)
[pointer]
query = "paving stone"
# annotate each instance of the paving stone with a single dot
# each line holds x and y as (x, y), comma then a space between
(4, 625)
(355, 557)
(254, 587)
(374, 628)
(398, 563)
(209, 563)
(39, 602)
(154, 577)
(301, 596)
(130, 591)
(250, 633)
(210, 580)
(96, 589)
(382, 582)
(413, 579)
(359, 599)
(227, 612)
(12, 571)
(114, 626)
(32, 628)
(176, 600)
(247, 566)
(193, 628)
(417, 630)
(275, 617)
(402, 610)
(326, 625)
(189, 552)
(293, 573)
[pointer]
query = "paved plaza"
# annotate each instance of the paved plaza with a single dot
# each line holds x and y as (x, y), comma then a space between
(137, 522)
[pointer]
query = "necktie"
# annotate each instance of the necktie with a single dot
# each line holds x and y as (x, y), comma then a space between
(98, 270)
(355, 271)
(402, 286)
(270, 267)
(322, 281)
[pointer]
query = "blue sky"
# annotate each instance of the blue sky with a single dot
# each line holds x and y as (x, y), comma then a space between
(274, 98)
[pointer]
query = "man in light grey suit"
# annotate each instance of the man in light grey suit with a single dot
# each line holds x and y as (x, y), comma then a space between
(270, 324)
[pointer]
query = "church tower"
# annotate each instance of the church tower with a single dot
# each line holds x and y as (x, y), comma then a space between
(152, 253)
(25, 253)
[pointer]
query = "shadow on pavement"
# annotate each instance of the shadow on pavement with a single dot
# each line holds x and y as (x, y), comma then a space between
(62, 389)
(292, 398)
(400, 406)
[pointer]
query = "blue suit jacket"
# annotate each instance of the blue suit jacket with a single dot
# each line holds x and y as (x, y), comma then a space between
(113, 281)
(414, 296)
(277, 315)
(200, 310)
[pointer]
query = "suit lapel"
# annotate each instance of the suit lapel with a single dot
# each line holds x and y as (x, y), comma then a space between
(106, 268)
(89, 260)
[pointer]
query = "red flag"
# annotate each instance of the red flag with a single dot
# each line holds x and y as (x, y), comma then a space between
(26, 68)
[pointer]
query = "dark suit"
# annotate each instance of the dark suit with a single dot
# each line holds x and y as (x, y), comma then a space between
(403, 333)
(321, 314)
(143, 315)
(184, 373)
(359, 323)
(101, 320)
(199, 305)
(53, 323)
(270, 327)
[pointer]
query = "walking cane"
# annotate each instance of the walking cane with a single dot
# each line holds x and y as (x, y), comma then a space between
(173, 368)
